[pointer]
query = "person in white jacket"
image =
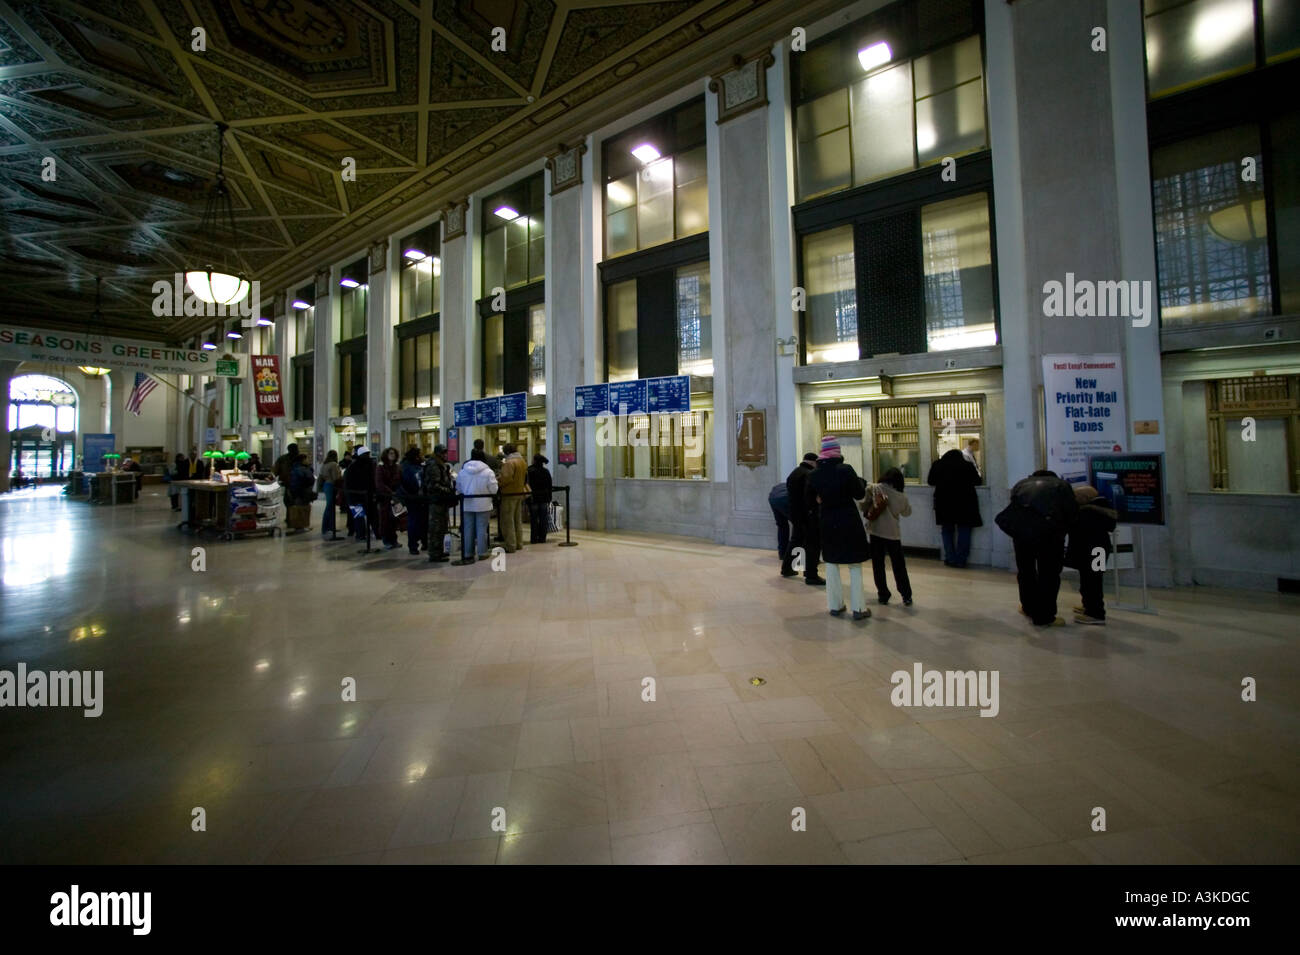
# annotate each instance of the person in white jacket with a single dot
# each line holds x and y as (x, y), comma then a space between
(475, 478)
(885, 503)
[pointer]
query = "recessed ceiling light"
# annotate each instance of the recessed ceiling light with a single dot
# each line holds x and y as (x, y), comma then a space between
(208, 346)
(234, 335)
(349, 283)
(646, 153)
(875, 55)
(299, 303)
(505, 212)
(414, 254)
(265, 321)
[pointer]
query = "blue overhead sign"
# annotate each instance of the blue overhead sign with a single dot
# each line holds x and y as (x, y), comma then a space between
(463, 411)
(513, 408)
(590, 400)
(487, 410)
(669, 394)
(627, 397)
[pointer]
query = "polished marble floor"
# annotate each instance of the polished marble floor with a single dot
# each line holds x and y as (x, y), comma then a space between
(514, 700)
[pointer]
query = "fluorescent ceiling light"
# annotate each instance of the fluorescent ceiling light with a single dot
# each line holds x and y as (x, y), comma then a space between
(349, 283)
(208, 346)
(875, 55)
(265, 321)
(299, 303)
(414, 254)
(234, 335)
(505, 212)
(646, 153)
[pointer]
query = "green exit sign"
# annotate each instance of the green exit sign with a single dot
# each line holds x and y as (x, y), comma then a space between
(228, 369)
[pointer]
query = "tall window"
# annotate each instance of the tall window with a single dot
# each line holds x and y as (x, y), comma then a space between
(421, 279)
(514, 345)
(350, 347)
(303, 306)
(642, 340)
(656, 181)
(514, 236)
(831, 323)
(1194, 42)
(419, 322)
(43, 425)
(886, 95)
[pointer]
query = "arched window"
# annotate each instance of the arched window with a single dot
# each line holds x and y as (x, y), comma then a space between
(43, 423)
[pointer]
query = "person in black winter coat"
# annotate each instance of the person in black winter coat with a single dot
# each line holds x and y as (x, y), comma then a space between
(539, 506)
(1041, 511)
(803, 522)
(956, 508)
(832, 488)
(1090, 533)
(359, 483)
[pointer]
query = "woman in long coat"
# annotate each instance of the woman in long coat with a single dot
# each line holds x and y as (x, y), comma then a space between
(830, 492)
(388, 484)
(956, 508)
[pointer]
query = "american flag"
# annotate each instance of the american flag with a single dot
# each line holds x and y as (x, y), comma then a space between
(143, 385)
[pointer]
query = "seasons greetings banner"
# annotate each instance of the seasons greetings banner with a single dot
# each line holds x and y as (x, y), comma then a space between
(266, 386)
(1084, 395)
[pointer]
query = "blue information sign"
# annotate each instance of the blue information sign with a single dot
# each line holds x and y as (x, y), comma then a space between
(464, 414)
(93, 449)
(487, 410)
(590, 400)
(627, 397)
(513, 407)
(669, 394)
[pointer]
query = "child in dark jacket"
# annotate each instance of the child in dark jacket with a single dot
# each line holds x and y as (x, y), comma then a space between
(1090, 530)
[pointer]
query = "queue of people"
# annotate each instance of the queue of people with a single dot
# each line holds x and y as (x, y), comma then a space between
(826, 513)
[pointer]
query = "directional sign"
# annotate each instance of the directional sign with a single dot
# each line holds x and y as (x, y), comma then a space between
(513, 407)
(627, 397)
(591, 400)
(463, 411)
(487, 410)
(669, 394)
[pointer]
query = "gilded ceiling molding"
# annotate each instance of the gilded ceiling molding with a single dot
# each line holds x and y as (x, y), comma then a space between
(378, 256)
(453, 220)
(565, 167)
(744, 86)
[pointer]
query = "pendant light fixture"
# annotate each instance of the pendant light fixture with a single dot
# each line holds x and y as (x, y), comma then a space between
(213, 284)
(94, 371)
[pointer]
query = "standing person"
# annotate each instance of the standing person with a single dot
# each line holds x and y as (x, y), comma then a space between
(514, 484)
(436, 485)
(283, 467)
(833, 486)
(475, 478)
(1042, 509)
(331, 476)
(180, 472)
(885, 505)
(778, 499)
(417, 511)
(804, 519)
(956, 508)
(388, 484)
(1090, 532)
(491, 460)
(539, 480)
(359, 482)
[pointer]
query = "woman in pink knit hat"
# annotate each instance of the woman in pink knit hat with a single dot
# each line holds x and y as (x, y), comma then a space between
(832, 489)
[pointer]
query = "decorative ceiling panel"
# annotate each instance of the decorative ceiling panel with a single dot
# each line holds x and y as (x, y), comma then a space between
(411, 91)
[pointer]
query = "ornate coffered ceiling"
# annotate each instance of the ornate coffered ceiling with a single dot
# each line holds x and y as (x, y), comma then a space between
(117, 94)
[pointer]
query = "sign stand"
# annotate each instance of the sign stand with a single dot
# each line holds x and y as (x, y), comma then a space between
(1145, 606)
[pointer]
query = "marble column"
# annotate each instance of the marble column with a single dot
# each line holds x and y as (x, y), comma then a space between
(746, 323)
(280, 312)
(323, 384)
(457, 303)
(119, 387)
(379, 341)
(565, 319)
(7, 370)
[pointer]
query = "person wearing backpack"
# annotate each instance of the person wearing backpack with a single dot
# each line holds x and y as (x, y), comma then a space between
(1089, 533)
(885, 504)
(1041, 511)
